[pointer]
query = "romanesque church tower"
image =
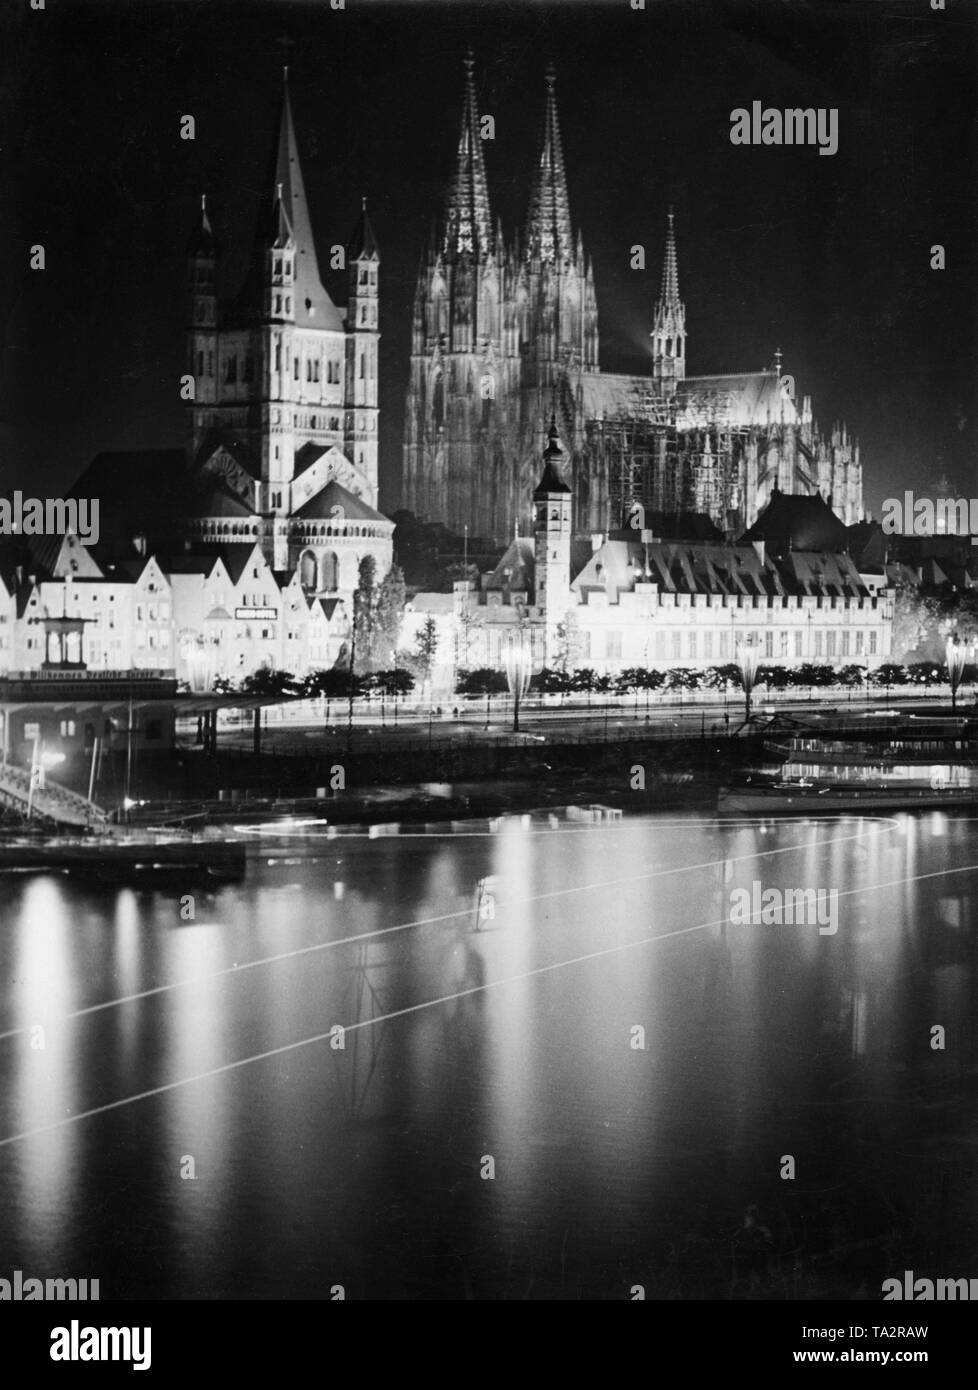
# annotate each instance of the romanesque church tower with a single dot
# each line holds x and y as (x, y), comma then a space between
(283, 424)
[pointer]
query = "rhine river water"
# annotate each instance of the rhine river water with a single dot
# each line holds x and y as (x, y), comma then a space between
(631, 1067)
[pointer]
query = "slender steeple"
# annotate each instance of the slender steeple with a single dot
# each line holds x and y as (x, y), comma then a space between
(669, 293)
(202, 241)
(669, 327)
(548, 224)
(363, 243)
(284, 216)
(468, 220)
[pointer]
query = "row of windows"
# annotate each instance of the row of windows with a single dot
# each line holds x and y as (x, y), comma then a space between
(772, 602)
(722, 645)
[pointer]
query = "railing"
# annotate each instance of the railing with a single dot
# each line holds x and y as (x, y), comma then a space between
(50, 802)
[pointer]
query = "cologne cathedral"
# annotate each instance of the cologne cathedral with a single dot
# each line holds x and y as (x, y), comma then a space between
(505, 334)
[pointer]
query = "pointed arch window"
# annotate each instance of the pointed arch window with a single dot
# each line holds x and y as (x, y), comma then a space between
(438, 401)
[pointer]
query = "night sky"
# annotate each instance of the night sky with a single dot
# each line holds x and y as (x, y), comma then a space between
(826, 257)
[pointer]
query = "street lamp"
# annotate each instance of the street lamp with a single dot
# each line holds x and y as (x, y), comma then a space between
(518, 664)
(198, 658)
(748, 662)
(353, 662)
(955, 656)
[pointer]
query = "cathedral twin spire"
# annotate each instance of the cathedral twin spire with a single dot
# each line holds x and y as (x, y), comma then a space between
(468, 226)
(468, 220)
(548, 231)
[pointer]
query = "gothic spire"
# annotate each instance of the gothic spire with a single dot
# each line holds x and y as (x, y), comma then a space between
(669, 326)
(669, 293)
(670, 310)
(468, 221)
(548, 224)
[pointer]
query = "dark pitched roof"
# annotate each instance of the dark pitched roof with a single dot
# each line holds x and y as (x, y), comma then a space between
(520, 560)
(320, 507)
(217, 439)
(236, 555)
(674, 526)
(868, 545)
(793, 522)
(140, 491)
(220, 502)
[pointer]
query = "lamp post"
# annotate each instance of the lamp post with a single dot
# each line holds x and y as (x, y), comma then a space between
(353, 662)
(518, 662)
(37, 775)
(748, 661)
(955, 655)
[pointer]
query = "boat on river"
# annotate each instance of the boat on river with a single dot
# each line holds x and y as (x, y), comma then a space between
(820, 769)
(133, 856)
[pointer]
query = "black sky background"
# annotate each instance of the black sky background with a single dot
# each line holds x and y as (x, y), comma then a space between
(826, 257)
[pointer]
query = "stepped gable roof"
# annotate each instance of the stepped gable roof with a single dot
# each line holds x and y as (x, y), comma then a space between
(794, 522)
(320, 507)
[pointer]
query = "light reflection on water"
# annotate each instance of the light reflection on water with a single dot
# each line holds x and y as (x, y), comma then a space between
(615, 1164)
